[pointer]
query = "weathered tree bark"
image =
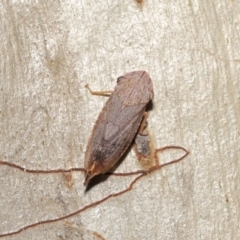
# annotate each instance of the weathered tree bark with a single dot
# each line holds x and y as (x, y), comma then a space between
(50, 50)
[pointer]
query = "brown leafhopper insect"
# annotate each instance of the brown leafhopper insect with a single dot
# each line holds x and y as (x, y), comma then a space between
(118, 123)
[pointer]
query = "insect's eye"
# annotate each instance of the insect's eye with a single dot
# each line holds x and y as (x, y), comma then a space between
(119, 79)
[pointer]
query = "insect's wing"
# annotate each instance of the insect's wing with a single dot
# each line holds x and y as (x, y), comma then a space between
(113, 133)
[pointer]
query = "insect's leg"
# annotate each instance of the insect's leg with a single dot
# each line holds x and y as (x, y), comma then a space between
(101, 93)
(143, 123)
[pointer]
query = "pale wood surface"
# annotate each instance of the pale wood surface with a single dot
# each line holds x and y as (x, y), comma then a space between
(50, 49)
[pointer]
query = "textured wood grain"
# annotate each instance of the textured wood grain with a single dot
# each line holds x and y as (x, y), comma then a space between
(50, 50)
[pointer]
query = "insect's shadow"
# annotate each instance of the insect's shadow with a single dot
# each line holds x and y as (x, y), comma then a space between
(103, 177)
(150, 106)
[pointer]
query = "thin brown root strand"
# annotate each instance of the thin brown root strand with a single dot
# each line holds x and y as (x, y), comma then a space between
(171, 162)
(127, 174)
(171, 147)
(166, 148)
(156, 166)
(76, 212)
(13, 165)
(113, 195)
